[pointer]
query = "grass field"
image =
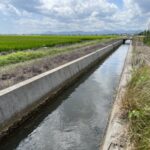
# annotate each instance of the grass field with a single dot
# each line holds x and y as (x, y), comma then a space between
(17, 66)
(22, 56)
(18, 42)
(16, 49)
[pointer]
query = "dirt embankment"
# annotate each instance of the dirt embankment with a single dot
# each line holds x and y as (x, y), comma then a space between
(20, 72)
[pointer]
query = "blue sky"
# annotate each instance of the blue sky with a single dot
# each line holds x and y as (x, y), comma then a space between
(119, 3)
(104, 16)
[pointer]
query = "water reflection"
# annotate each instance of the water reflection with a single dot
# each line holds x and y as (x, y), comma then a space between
(79, 122)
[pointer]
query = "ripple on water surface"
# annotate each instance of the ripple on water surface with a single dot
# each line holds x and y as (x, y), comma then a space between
(80, 116)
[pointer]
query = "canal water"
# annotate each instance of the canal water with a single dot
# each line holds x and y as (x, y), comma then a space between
(77, 119)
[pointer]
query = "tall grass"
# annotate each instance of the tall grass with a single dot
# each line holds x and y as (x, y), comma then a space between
(137, 103)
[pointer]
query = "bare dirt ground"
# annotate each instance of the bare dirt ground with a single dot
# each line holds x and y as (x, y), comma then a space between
(20, 72)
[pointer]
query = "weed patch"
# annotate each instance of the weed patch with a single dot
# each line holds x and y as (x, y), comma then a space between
(137, 104)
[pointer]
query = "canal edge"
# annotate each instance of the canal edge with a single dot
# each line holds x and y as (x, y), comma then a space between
(116, 133)
(82, 67)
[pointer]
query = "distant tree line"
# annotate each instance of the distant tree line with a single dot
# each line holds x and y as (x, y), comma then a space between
(146, 34)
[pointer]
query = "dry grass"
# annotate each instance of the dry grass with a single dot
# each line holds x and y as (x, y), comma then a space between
(136, 102)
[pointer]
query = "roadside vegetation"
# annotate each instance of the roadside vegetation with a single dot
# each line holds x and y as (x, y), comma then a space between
(136, 102)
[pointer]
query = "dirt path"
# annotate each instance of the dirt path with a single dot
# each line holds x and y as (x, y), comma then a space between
(20, 72)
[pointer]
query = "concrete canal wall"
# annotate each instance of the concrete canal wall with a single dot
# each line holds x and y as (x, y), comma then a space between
(17, 101)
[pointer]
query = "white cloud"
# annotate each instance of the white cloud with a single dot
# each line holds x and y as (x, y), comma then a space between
(76, 9)
(74, 15)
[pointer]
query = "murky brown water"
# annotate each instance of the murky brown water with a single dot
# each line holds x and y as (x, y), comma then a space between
(78, 118)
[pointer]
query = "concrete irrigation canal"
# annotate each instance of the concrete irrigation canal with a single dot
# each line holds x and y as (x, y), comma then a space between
(78, 117)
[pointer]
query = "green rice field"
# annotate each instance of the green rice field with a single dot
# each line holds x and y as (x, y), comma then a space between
(22, 42)
(15, 49)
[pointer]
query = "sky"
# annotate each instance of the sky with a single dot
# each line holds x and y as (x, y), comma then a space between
(102, 16)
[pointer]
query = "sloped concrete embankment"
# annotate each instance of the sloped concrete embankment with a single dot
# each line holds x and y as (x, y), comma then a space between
(116, 137)
(18, 101)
